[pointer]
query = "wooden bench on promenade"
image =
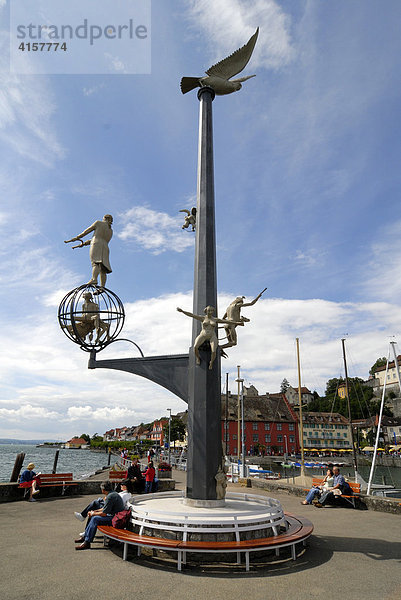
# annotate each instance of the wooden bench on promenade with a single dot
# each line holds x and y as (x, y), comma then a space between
(355, 487)
(117, 476)
(62, 480)
(298, 530)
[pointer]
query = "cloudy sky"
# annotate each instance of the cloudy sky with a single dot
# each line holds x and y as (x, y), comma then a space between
(307, 185)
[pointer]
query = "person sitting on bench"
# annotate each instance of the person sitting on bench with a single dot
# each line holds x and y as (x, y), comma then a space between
(339, 484)
(317, 491)
(126, 491)
(28, 480)
(101, 516)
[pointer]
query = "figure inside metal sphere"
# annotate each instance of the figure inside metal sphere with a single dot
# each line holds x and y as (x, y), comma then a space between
(99, 248)
(208, 332)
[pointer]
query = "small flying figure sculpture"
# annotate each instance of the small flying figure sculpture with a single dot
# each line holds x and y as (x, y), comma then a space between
(190, 219)
(218, 76)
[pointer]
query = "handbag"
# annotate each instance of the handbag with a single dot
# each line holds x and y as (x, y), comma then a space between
(121, 519)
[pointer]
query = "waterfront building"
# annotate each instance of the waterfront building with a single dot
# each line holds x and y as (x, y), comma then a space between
(76, 443)
(326, 431)
(270, 424)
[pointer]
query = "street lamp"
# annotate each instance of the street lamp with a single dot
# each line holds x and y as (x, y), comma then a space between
(169, 434)
(241, 401)
(286, 448)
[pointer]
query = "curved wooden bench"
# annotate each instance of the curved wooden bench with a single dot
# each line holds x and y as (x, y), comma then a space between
(299, 529)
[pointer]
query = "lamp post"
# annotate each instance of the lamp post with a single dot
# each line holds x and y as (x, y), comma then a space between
(169, 434)
(241, 404)
(286, 448)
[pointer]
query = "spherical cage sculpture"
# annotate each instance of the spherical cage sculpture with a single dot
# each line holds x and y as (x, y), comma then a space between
(91, 316)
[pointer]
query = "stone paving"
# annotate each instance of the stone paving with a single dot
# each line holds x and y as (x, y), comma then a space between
(352, 554)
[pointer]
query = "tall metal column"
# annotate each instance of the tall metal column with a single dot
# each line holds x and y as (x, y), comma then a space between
(204, 400)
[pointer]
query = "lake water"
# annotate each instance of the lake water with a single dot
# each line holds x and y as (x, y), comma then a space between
(79, 462)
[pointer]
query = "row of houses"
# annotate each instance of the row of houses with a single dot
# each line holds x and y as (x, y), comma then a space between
(271, 426)
(138, 433)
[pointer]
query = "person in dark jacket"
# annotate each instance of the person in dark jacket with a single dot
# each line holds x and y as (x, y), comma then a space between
(134, 474)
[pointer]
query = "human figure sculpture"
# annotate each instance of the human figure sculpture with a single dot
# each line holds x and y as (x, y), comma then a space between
(99, 248)
(221, 484)
(89, 321)
(208, 332)
(233, 314)
(219, 75)
(190, 219)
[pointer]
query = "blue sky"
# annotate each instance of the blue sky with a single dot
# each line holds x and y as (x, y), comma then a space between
(307, 185)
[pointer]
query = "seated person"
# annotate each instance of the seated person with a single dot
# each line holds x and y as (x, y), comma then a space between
(126, 490)
(113, 503)
(317, 491)
(134, 474)
(339, 483)
(28, 480)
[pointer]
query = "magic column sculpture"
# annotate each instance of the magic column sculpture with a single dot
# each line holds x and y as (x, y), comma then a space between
(204, 411)
(196, 379)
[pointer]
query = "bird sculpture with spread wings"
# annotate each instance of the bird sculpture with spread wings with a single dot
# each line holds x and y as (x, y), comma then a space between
(218, 76)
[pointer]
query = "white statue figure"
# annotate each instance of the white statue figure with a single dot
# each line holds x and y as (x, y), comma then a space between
(89, 321)
(221, 484)
(190, 219)
(233, 314)
(99, 248)
(219, 75)
(208, 332)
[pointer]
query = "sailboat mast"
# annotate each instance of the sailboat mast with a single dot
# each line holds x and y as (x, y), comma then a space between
(301, 425)
(349, 413)
(372, 468)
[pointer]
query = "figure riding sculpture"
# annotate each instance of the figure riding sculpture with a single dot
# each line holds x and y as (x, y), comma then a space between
(234, 318)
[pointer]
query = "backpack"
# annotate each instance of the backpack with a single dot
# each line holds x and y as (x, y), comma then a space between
(121, 519)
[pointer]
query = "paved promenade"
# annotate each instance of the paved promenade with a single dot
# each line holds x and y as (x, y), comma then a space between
(352, 554)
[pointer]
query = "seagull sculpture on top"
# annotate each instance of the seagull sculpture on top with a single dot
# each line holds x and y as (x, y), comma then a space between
(218, 76)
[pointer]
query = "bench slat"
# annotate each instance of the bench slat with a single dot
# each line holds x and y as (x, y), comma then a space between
(118, 474)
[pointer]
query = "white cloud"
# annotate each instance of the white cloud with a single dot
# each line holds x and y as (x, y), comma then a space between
(45, 384)
(27, 110)
(115, 62)
(383, 275)
(309, 258)
(92, 90)
(27, 411)
(154, 231)
(229, 24)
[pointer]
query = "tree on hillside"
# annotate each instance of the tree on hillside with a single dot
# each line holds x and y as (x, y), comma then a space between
(381, 362)
(177, 432)
(362, 401)
(284, 386)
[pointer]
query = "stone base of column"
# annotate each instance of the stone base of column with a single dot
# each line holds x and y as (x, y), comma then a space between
(203, 503)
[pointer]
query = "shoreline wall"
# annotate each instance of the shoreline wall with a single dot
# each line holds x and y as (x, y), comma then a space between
(376, 503)
(10, 492)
